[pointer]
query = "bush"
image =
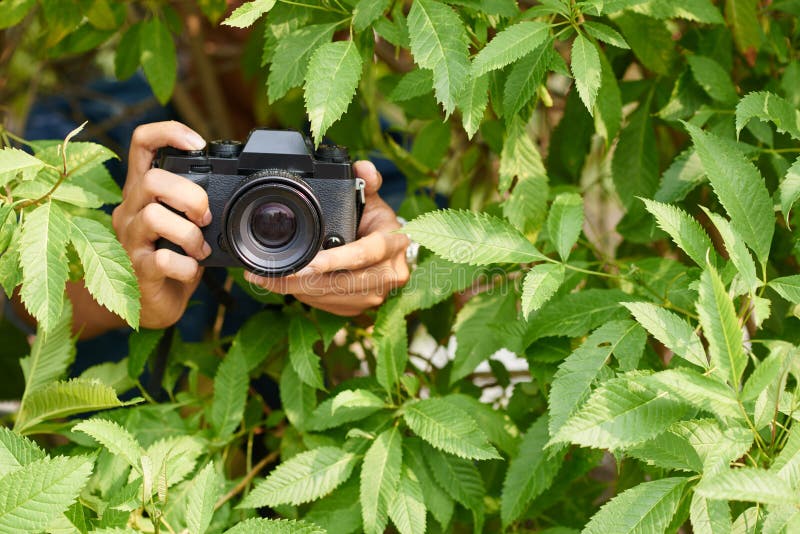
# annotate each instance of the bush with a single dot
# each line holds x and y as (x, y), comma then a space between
(643, 270)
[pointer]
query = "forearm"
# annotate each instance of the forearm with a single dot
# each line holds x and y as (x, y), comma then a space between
(89, 319)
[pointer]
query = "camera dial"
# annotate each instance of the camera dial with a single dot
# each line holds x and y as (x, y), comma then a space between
(224, 149)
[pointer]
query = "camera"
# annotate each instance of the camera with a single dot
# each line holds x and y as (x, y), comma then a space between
(275, 201)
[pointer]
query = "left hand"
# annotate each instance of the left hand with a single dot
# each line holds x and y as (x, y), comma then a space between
(349, 279)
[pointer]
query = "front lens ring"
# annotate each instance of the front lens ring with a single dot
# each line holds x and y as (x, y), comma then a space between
(244, 246)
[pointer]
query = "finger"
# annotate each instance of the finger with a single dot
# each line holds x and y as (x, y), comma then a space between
(381, 280)
(337, 305)
(158, 185)
(147, 138)
(366, 171)
(359, 254)
(155, 221)
(162, 263)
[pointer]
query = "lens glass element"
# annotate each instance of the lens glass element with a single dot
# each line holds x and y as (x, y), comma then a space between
(273, 224)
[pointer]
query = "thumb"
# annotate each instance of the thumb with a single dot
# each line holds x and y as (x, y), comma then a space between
(367, 172)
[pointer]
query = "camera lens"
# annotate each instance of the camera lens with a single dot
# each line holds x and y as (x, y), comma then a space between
(273, 224)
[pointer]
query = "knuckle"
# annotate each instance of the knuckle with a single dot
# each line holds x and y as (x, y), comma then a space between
(139, 135)
(151, 215)
(162, 260)
(150, 180)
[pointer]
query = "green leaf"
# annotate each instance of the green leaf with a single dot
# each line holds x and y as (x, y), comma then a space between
(696, 10)
(297, 399)
(714, 79)
(737, 250)
(509, 45)
(684, 174)
(413, 84)
(173, 458)
(473, 238)
(128, 52)
(747, 484)
(519, 157)
(204, 491)
(739, 187)
(61, 399)
(346, 407)
(701, 391)
(684, 230)
(437, 501)
(260, 525)
(10, 270)
(8, 225)
(671, 450)
(340, 511)
(648, 507)
(586, 70)
(525, 77)
(291, 58)
(575, 314)
(781, 520)
(448, 428)
(540, 284)
(671, 330)
(474, 341)
(458, 477)
(368, 11)
(710, 516)
(246, 14)
(15, 11)
(564, 222)
(742, 16)
(789, 189)
(526, 206)
(141, 345)
(530, 472)
(35, 495)
(17, 163)
(44, 263)
(439, 43)
(331, 82)
(380, 476)
(787, 464)
(635, 164)
(230, 395)
(158, 57)
(472, 102)
(391, 341)
(407, 510)
(497, 426)
(573, 381)
(788, 287)
(303, 478)
(608, 105)
(108, 273)
(605, 33)
(302, 336)
(650, 39)
(113, 437)
(721, 328)
(51, 354)
(618, 414)
(16, 452)
(768, 107)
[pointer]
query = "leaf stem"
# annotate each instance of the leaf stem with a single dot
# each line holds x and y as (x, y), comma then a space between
(248, 478)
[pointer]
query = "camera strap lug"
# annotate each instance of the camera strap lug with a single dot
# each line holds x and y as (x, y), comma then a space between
(361, 187)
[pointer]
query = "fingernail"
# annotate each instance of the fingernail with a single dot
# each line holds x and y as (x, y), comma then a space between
(195, 141)
(206, 218)
(206, 250)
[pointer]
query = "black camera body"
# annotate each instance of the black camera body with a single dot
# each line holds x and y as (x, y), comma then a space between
(275, 201)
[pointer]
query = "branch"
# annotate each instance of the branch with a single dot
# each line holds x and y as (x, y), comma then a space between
(271, 457)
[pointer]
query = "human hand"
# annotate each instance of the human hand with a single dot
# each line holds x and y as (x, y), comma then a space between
(167, 279)
(349, 279)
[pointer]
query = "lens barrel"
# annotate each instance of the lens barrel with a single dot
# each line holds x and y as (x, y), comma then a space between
(273, 223)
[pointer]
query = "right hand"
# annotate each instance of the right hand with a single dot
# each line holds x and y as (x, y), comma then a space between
(167, 279)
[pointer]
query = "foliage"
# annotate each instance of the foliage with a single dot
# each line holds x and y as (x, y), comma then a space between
(620, 178)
